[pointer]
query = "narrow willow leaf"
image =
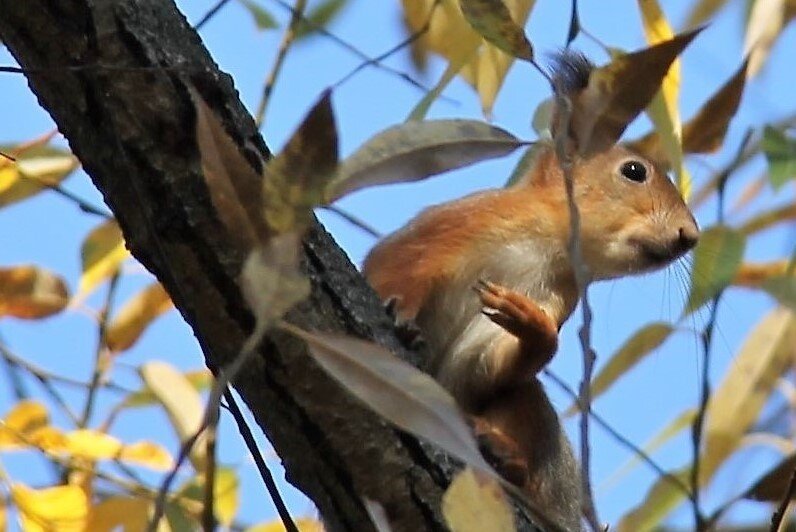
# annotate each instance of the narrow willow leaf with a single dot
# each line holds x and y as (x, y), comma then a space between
(526, 163)
(200, 380)
(643, 342)
(30, 292)
(619, 91)
(716, 259)
(235, 188)
(780, 153)
(37, 167)
(319, 17)
(119, 512)
(101, 254)
(225, 493)
(664, 108)
(271, 282)
(62, 508)
(454, 67)
(702, 10)
(474, 503)
(738, 400)
(492, 20)
(766, 20)
(377, 514)
(574, 23)
(755, 274)
(181, 403)
(262, 18)
(295, 180)
(303, 524)
(135, 316)
(783, 289)
(663, 497)
(416, 150)
(395, 390)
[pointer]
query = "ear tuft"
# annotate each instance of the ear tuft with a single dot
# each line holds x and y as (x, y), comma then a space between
(570, 71)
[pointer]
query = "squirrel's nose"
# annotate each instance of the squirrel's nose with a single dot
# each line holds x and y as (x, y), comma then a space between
(688, 237)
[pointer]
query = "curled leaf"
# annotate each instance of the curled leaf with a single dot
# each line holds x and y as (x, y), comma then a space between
(492, 20)
(416, 150)
(30, 292)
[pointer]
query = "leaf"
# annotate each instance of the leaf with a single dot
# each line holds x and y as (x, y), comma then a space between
(643, 342)
(780, 153)
(235, 188)
(318, 17)
(768, 219)
(766, 20)
(702, 10)
(92, 445)
(737, 402)
(102, 254)
(663, 110)
(526, 163)
(148, 454)
(303, 524)
(492, 20)
(482, 64)
(130, 322)
(62, 508)
(262, 18)
(716, 259)
(773, 485)
(181, 402)
(225, 493)
(663, 497)
(755, 274)
(416, 150)
(30, 292)
(114, 513)
(37, 167)
(395, 390)
(200, 379)
(454, 67)
(377, 514)
(22, 420)
(475, 503)
(619, 91)
(296, 179)
(783, 289)
(271, 282)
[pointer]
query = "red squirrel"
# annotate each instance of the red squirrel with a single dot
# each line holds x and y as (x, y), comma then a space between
(489, 281)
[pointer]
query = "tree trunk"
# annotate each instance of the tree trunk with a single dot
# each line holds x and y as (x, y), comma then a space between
(114, 74)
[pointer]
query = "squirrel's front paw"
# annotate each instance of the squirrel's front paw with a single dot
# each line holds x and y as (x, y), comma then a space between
(511, 310)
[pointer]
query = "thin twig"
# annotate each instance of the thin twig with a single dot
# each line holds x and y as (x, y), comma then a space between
(582, 279)
(262, 467)
(354, 220)
(359, 53)
(622, 440)
(208, 511)
(101, 353)
(210, 14)
(287, 40)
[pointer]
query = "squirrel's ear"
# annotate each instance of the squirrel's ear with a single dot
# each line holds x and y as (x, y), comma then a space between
(603, 101)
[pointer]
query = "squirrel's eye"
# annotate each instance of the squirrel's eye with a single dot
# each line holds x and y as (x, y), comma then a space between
(635, 171)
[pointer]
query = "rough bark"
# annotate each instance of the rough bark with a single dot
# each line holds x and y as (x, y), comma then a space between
(113, 75)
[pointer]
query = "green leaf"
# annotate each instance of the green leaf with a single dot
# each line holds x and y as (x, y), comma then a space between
(783, 289)
(416, 150)
(262, 18)
(780, 153)
(319, 17)
(716, 259)
(492, 19)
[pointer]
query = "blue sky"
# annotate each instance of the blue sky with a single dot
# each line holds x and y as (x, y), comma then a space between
(48, 230)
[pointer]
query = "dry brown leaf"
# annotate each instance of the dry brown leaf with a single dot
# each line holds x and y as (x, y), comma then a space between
(135, 316)
(30, 292)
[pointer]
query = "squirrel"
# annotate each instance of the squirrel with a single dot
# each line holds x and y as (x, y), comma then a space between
(489, 281)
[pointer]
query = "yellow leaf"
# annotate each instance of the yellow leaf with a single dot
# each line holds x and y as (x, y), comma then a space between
(24, 419)
(181, 402)
(30, 292)
(135, 316)
(703, 10)
(450, 35)
(304, 524)
(148, 454)
(225, 493)
(663, 110)
(37, 166)
(101, 253)
(200, 379)
(49, 439)
(92, 444)
(119, 513)
(3, 519)
(62, 508)
(476, 503)
(766, 21)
